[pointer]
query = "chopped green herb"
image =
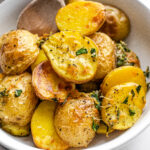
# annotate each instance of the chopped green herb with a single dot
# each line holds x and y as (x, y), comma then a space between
(138, 88)
(132, 92)
(120, 62)
(18, 93)
(81, 51)
(4, 93)
(93, 52)
(126, 100)
(131, 112)
(148, 86)
(98, 103)
(55, 99)
(147, 72)
(95, 126)
(118, 114)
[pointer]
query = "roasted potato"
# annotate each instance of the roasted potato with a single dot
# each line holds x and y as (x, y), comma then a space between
(43, 130)
(106, 54)
(76, 121)
(72, 56)
(16, 130)
(122, 105)
(47, 84)
(126, 57)
(17, 99)
(84, 16)
(117, 24)
(41, 57)
(104, 129)
(18, 50)
(121, 75)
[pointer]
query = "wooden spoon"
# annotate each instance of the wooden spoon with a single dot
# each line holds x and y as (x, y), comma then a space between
(38, 16)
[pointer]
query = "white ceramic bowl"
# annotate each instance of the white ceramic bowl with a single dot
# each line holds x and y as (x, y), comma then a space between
(138, 40)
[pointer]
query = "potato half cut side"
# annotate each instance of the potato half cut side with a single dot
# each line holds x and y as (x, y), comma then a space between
(72, 56)
(106, 54)
(47, 84)
(83, 16)
(122, 75)
(43, 130)
(122, 105)
(76, 121)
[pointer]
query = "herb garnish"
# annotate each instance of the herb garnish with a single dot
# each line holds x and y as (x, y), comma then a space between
(95, 126)
(126, 100)
(118, 114)
(132, 92)
(131, 112)
(97, 103)
(18, 93)
(138, 88)
(4, 93)
(147, 72)
(93, 52)
(81, 51)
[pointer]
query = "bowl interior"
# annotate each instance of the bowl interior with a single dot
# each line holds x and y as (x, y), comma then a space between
(138, 41)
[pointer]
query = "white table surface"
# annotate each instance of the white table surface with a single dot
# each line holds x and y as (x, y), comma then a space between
(141, 142)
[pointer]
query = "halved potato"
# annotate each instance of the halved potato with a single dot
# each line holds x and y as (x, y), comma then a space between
(121, 75)
(122, 105)
(106, 54)
(16, 130)
(47, 84)
(72, 56)
(104, 129)
(117, 24)
(43, 130)
(41, 57)
(77, 120)
(83, 16)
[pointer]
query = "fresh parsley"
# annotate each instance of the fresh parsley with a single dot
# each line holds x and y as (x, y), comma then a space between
(126, 100)
(95, 126)
(138, 88)
(18, 93)
(4, 93)
(81, 51)
(55, 99)
(97, 103)
(147, 72)
(132, 92)
(93, 52)
(131, 112)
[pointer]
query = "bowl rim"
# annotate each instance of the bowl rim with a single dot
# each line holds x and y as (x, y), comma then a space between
(121, 140)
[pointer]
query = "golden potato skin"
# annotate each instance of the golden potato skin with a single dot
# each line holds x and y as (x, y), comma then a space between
(16, 130)
(117, 24)
(121, 75)
(125, 56)
(122, 105)
(106, 54)
(83, 16)
(17, 100)
(18, 50)
(73, 121)
(72, 56)
(43, 130)
(71, 1)
(48, 85)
